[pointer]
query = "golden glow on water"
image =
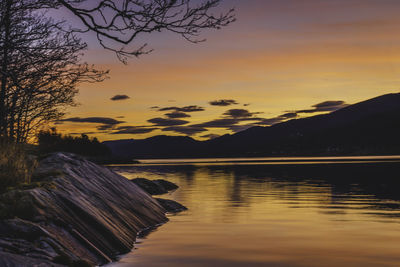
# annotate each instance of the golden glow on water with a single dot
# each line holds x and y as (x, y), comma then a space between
(242, 215)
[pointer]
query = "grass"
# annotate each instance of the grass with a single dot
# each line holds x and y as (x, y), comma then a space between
(16, 166)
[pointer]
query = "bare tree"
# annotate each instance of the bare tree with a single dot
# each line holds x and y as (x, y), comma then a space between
(40, 70)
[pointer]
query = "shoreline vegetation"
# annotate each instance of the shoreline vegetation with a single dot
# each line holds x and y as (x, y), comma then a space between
(60, 218)
(19, 160)
(51, 141)
(17, 164)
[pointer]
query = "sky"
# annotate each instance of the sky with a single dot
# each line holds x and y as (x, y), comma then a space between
(281, 59)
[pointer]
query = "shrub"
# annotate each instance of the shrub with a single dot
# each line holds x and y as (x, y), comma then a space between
(16, 166)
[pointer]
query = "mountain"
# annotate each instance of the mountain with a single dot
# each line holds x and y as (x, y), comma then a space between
(160, 146)
(366, 128)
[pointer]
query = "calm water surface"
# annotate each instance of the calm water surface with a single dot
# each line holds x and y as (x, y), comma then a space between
(258, 214)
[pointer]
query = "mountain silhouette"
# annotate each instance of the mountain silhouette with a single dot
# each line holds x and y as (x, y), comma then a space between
(160, 146)
(371, 127)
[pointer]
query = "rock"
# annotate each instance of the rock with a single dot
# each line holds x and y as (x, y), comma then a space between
(150, 186)
(13, 260)
(166, 184)
(81, 213)
(171, 205)
(156, 187)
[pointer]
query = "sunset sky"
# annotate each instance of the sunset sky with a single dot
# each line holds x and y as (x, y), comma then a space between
(277, 61)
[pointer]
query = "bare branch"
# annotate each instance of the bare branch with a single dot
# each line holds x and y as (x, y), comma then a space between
(121, 22)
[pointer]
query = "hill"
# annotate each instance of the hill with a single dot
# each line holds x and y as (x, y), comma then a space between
(370, 127)
(161, 146)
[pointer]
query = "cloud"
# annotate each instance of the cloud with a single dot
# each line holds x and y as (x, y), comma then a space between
(270, 121)
(278, 119)
(235, 120)
(167, 122)
(183, 109)
(223, 102)
(218, 123)
(86, 133)
(210, 136)
(289, 115)
(232, 120)
(134, 130)
(240, 113)
(239, 128)
(120, 117)
(177, 115)
(101, 120)
(324, 107)
(188, 130)
(321, 107)
(105, 127)
(106, 123)
(119, 97)
(329, 104)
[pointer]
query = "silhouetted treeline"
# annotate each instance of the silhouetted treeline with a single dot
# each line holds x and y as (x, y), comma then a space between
(51, 141)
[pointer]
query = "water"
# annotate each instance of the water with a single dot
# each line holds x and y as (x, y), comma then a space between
(262, 214)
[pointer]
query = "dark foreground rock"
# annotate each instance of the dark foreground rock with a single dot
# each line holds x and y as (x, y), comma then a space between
(11, 260)
(171, 205)
(81, 214)
(166, 184)
(155, 187)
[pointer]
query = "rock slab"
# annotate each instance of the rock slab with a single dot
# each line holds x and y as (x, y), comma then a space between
(81, 214)
(155, 187)
(171, 205)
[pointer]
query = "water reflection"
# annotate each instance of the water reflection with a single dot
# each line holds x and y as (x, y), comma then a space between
(276, 215)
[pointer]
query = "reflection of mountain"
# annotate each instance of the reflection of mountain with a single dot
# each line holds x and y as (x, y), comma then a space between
(378, 179)
(371, 188)
(369, 127)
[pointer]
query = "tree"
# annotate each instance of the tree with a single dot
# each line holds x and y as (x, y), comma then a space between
(40, 57)
(40, 69)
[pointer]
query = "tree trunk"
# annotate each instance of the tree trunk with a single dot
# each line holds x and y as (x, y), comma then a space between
(4, 67)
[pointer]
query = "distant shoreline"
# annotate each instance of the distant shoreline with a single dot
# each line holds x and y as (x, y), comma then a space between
(269, 160)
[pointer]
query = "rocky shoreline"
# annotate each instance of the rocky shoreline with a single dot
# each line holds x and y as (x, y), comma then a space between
(77, 214)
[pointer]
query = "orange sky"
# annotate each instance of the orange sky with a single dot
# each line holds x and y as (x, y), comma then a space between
(279, 56)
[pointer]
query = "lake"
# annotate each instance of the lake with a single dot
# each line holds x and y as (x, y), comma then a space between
(296, 212)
